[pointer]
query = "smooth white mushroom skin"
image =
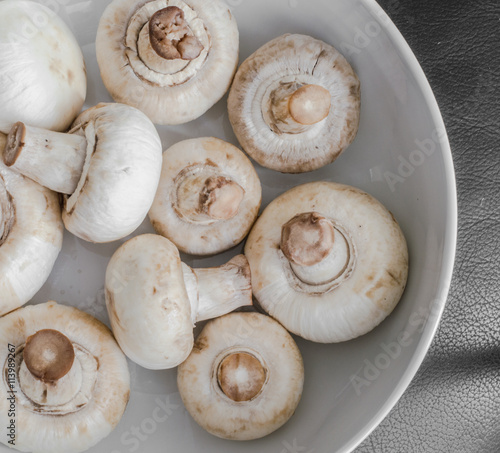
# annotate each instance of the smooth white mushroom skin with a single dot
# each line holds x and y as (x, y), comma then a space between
(171, 59)
(61, 418)
(148, 304)
(120, 175)
(339, 295)
(208, 198)
(295, 104)
(154, 300)
(244, 378)
(31, 234)
(43, 79)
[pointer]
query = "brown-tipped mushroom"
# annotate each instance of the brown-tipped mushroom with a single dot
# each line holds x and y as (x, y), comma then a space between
(67, 375)
(328, 261)
(154, 299)
(208, 197)
(172, 61)
(31, 234)
(294, 104)
(244, 378)
(108, 167)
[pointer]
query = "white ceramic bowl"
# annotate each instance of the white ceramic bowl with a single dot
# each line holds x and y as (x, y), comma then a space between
(401, 156)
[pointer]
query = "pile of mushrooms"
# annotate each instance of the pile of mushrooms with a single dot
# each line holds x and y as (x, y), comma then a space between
(153, 299)
(242, 386)
(108, 168)
(64, 380)
(208, 197)
(325, 261)
(328, 261)
(31, 233)
(43, 81)
(172, 60)
(294, 104)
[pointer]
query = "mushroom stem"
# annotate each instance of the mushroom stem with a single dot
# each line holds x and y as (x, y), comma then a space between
(166, 44)
(241, 376)
(318, 252)
(217, 291)
(53, 159)
(49, 374)
(203, 196)
(220, 198)
(296, 107)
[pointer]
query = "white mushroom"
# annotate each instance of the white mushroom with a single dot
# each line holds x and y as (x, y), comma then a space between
(244, 378)
(208, 197)
(31, 233)
(43, 81)
(108, 166)
(328, 261)
(294, 104)
(154, 300)
(171, 59)
(64, 380)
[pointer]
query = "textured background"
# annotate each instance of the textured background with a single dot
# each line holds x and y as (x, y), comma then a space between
(453, 404)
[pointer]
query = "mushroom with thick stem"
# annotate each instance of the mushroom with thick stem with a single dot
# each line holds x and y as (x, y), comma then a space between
(294, 104)
(43, 80)
(154, 299)
(108, 166)
(63, 376)
(244, 377)
(208, 197)
(328, 261)
(31, 234)
(172, 60)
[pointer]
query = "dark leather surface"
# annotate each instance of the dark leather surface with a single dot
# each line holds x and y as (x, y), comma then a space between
(453, 404)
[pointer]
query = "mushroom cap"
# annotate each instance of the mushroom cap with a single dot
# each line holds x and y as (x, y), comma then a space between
(148, 304)
(260, 337)
(215, 157)
(305, 60)
(35, 239)
(43, 81)
(174, 98)
(371, 285)
(73, 431)
(120, 176)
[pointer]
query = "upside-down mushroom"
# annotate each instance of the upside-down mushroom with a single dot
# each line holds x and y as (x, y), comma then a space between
(294, 104)
(208, 197)
(43, 81)
(108, 166)
(154, 299)
(64, 380)
(171, 59)
(328, 261)
(31, 234)
(244, 378)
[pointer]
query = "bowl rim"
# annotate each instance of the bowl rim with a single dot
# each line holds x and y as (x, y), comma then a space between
(450, 242)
